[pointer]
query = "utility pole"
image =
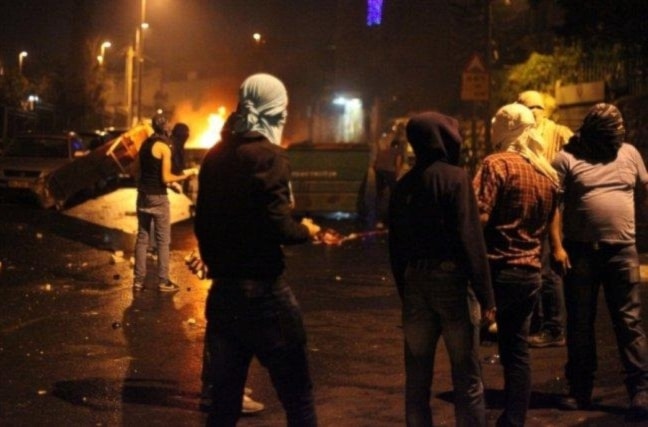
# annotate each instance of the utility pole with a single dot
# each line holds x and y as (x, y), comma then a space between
(128, 85)
(140, 57)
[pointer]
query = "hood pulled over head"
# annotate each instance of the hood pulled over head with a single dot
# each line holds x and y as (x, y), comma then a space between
(601, 134)
(434, 136)
(262, 107)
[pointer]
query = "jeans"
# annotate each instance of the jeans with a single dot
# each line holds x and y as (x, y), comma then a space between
(247, 318)
(548, 315)
(438, 303)
(153, 213)
(616, 268)
(516, 292)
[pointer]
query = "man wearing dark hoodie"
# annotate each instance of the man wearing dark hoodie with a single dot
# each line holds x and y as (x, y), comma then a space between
(438, 258)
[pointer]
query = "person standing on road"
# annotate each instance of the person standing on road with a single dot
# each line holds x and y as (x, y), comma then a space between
(547, 322)
(516, 192)
(178, 138)
(438, 258)
(153, 210)
(243, 217)
(600, 175)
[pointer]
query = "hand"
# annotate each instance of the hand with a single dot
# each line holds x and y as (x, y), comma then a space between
(488, 316)
(561, 260)
(190, 172)
(196, 265)
(313, 228)
(329, 236)
(175, 187)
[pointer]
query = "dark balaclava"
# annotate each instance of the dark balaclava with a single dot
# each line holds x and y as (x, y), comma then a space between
(600, 136)
(180, 133)
(160, 124)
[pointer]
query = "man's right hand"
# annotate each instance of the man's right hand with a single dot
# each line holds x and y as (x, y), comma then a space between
(561, 260)
(196, 265)
(190, 172)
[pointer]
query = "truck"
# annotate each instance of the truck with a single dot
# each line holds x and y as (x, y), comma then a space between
(328, 177)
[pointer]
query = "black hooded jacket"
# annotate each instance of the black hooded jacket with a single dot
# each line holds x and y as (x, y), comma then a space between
(433, 212)
(243, 212)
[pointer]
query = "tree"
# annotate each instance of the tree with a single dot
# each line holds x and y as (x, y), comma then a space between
(13, 88)
(539, 72)
(606, 23)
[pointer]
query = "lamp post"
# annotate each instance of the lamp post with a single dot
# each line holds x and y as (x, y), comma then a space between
(21, 58)
(139, 52)
(102, 52)
(258, 42)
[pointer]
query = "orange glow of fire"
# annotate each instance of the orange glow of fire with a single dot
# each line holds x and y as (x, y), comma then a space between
(211, 135)
(204, 125)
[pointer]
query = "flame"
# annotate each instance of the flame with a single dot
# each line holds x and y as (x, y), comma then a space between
(204, 125)
(211, 135)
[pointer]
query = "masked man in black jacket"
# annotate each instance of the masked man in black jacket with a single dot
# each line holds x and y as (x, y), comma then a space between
(243, 217)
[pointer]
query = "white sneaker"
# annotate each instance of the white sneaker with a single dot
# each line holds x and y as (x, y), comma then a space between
(248, 407)
(492, 328)
(251, 406)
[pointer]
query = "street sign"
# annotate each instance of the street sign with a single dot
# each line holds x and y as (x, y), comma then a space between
(475, 80)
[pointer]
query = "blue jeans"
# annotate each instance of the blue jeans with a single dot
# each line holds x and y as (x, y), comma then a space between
(439, 303)
(247, 318)
(616, 268)
(516, 292)
(153, 213)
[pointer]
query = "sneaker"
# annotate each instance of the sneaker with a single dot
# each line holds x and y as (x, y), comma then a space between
(492, 328)
(547, 339)
(251, 406)
(138, 286)
(169, 286)
(638, 410)
(575, 403)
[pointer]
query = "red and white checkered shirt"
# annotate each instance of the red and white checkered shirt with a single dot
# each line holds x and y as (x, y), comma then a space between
(519, 202)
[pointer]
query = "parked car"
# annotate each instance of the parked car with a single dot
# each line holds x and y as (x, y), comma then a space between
(56, 168)
(29, 160)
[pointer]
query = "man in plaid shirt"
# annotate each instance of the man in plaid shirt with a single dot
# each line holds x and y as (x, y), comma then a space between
(516, 191)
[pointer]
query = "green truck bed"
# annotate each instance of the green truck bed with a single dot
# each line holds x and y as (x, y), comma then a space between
(328, 177)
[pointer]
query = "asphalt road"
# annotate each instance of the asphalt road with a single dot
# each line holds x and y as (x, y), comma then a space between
(77, 347)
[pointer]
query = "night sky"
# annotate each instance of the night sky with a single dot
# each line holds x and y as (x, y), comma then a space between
(413, 61)
(180, 30)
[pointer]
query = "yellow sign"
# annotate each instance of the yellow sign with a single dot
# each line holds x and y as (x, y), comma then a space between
(475, 81)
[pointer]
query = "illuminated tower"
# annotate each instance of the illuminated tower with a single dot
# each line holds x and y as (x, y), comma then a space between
(374, 12)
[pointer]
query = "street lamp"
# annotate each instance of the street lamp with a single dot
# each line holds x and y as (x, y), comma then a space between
(21, 58)
(139, 50)
(102, 52)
